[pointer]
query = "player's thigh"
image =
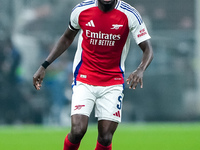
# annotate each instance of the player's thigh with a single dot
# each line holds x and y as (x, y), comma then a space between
(82, 100)
(109, 105)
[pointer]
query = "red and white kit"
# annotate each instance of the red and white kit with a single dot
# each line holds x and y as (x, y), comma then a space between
(104, 43)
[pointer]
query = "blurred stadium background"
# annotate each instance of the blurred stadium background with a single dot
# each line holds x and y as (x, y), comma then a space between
(170, 97)
(29, 29)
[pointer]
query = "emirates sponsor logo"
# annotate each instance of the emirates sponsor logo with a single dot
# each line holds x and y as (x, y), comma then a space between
(142, 33)
(103, 39)
(103, 36)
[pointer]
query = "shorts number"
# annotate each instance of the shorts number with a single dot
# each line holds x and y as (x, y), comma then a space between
(119, 106)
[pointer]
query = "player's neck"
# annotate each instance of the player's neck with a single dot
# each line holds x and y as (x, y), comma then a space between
(107, 7)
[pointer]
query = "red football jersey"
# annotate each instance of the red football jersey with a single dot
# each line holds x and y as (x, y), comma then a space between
(103, 41)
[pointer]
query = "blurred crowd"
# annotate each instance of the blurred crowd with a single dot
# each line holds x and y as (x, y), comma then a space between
(29, 29)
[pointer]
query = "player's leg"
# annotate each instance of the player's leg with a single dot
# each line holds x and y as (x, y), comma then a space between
(81, 107)
(78, 130)
(106, 130)
(108, 110)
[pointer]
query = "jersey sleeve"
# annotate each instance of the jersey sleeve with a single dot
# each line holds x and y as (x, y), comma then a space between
(140, 33)
(138, 28)
(74, 23)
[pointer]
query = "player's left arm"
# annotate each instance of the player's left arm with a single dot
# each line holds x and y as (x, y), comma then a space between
(137, 76)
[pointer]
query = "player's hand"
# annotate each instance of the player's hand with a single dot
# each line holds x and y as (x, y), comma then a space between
(134, 78)
(38, 78)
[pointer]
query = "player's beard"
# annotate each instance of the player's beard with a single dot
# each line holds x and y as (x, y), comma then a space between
(107, 4)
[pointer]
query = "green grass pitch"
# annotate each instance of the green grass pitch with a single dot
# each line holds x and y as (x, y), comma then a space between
(150, 136)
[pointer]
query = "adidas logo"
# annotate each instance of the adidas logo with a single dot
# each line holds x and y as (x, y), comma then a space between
(90, 23)
(117, 114)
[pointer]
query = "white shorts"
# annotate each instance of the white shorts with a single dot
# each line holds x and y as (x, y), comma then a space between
(107, 101)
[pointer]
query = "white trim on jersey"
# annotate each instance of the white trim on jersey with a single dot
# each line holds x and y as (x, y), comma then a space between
(124, 53)
(136, 23)
(78, 9)
(131, 9)
(85, 3)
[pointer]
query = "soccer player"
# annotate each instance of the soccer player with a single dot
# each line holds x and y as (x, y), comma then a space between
(98, 67)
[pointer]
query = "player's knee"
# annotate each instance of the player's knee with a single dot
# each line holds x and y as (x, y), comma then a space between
(105, 139)
(78, 132)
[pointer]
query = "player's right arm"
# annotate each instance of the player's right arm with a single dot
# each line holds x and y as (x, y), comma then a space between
(63, 43)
